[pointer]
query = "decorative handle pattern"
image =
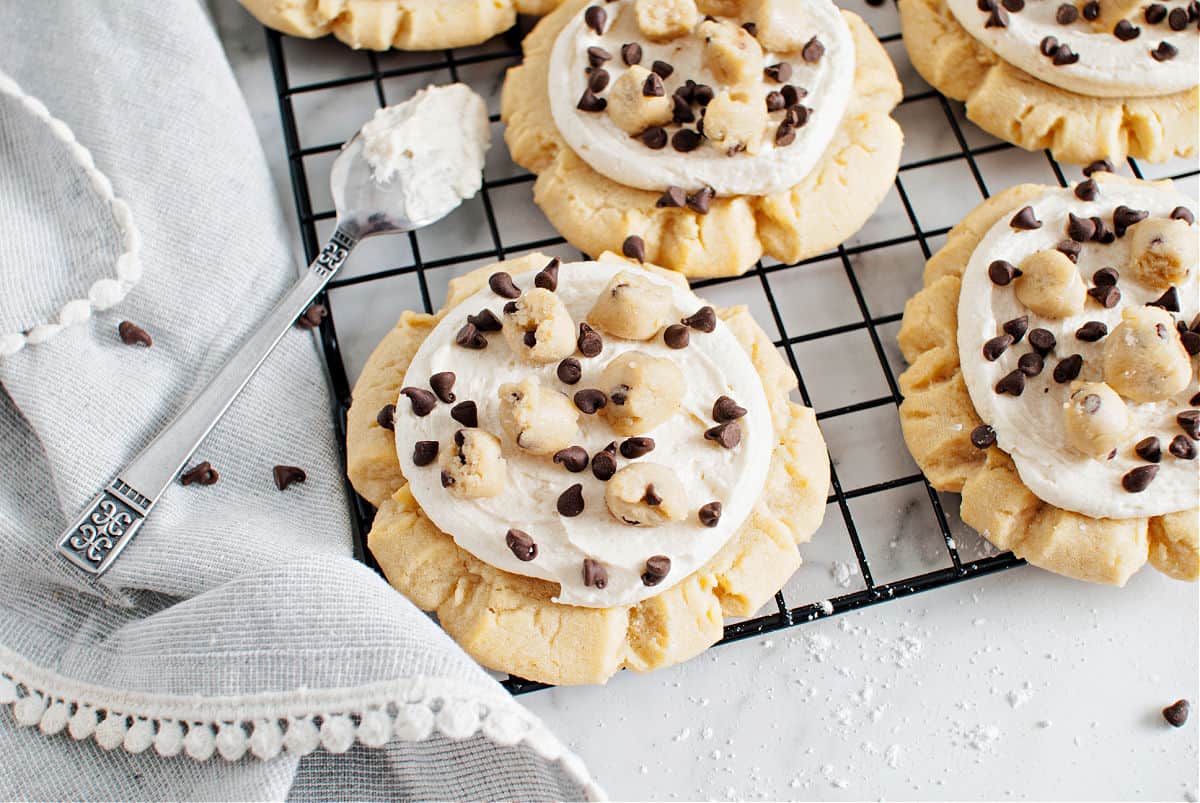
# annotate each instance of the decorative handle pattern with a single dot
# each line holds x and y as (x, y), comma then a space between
(106, 527)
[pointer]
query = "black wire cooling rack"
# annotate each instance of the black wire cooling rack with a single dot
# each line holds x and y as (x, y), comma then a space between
(371, 70)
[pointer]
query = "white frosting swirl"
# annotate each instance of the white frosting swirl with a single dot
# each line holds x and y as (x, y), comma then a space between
(1108, 67)
(714, 364)
(1030, 426)
(624, 159)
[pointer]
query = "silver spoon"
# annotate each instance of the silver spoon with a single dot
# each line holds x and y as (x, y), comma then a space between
(364, 208)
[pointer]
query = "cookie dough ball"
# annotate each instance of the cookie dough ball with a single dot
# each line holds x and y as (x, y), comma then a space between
(1163, 251)
(538, 327)
(631, 108)
(646, 495)
(662, 20)
(734, 122)
(538, 419)
(643, 391)
(1050, 285)
(632, 307)
(1144, 359)
(730, 53)
(780, 24)
(1095, 419)
(474, 468)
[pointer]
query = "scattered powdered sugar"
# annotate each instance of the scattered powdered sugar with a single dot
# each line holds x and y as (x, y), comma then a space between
(842, 572)
(892, 756)
(1018, 697)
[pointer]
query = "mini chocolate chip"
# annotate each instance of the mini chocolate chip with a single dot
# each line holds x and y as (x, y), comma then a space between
(702, 320)
(673, 197)
(1168, 300)
(1080, 229)
(1106, 277)
(573, 458)
(1087, 191)
(983, 437)
(547, 277)
(590, 400)
(1107, 295)
(589, 102)
(1091, 10)
(662, 69)
(621, 395)
(1177, 20)
(726, 409)
(1016, 327)
(594, 575)
(985, 5)
(653, 87)
(1176, 714)
(1138, 479)
(521, 544)
(598, 81)
(785, 135)
(780, 73)
(1092, 331)
(750, 28)
(597, 56)
(570, 501)
(1126, 30)
(703, 94)
(686, 91)
(469, 337)
(1002, 272)
(993, 348)
(631, 53)
(634, 247)
(424, 452)
(710, 514)
(485, 321)
(1015, 6)
(1182, 448)
(685, 140)
(604, 465)
(655, 138)
(676, 336)
(657, 568)
(1124, 217)
(1189, 422)
(1184, 214)
(1149, 449)
(200, 474)
(1031, 363)
(775, 101)
(589, 341)
(1098, 166)
(1070, 248)
(681, 110)
(569, 371)
(1064, 56)
(1102, 235)
(997, 18)
(386, 417)
(797, 116)
(529, 338)
(1068, 368)
(728, 434)
(465, 413)
(502, 285)
(633, 448)
(446, 479)
(312, 317)
(133, 335)
(1191, 342)
(1048, 46)
(595, 18)
(1012, 383)
(422, 400)
(792, 94)
(1066, 14)
(651, 496)
(442, 383)
(1155, 13)
(701, 200)
(812, 50)
(1042, 340)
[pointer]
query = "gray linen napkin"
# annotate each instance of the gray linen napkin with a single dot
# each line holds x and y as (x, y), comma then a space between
(235, 650)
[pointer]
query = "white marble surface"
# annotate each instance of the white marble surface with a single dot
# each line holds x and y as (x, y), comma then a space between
(1021, 685)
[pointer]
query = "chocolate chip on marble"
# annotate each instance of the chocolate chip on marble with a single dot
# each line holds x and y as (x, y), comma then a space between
(785, 135)
(1087, 191)
(726, 409)
(386, 417)
(573, 458)
(1042, 341)
(1048, 46)
(422, 400)
(590, 400)
(685, 140)
(993, 348)
(633, 448)
(1064, 56)
(985, 5)
(1068, 369)
(589, 341)
(442, 383)
(1107, 295)
(1184, 214)
(1103, 235)
(703, 94)
(1149, 449)
(521, 544)
(702, 320)
(312, 317)
(1031, 364)
(662, 69)
(604, 463)
(1106, 277)
(1015, 6)
(594, 574)
(1182, 448)
(1191, 342)
(1098, 166)
(710, 514)
(631, 53)
(1124, 217)
(1066, 14)
(1092, 331)
(1080, 229)
(1070, 248)
(728, 434)
(469, 337)
(1168, 300)
(1155, 13)
(681, 110)
(997, 18)
(466, 413)
(676, 336)
(1176, 714)
(672, 197)
(200, 474)
(1016, 328)
(1138, 479)
(569, 371)
(812, 50)
(1091, 10)
(597, 56)
(1002, 272)
(547, 277)
(502, 285)
(1177, 20)
(701, 200)
(595, 18)
(983, 437)
(1126, 31)
(775, 101)
(597, 82)
(424, 452)
(1012, 383)
(655, 137)
(570, 502)
(792, 94)
(780, 73)
(657, 568)
(133, 335)
(1189, 422)
(485, 321)
(590, 102)
(797, 116)
(634, 247)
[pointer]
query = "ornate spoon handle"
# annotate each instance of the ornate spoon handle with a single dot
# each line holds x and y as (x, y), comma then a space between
(114, 516)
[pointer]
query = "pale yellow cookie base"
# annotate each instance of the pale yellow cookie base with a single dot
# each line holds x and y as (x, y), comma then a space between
(937, 418)
(596, 214)
(1011, 104)
(401, 24)
(508, 622)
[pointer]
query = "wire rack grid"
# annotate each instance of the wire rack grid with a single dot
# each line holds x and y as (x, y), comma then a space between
(887, 532)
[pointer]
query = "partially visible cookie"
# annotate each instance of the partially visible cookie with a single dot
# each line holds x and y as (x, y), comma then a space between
(1143, 103)
(1070, 429)
(401, 24)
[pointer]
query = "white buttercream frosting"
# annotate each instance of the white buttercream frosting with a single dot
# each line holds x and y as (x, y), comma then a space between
(1107, 66)
(431, 147)
(626, 160)
(1030, 426)
(714, 364)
